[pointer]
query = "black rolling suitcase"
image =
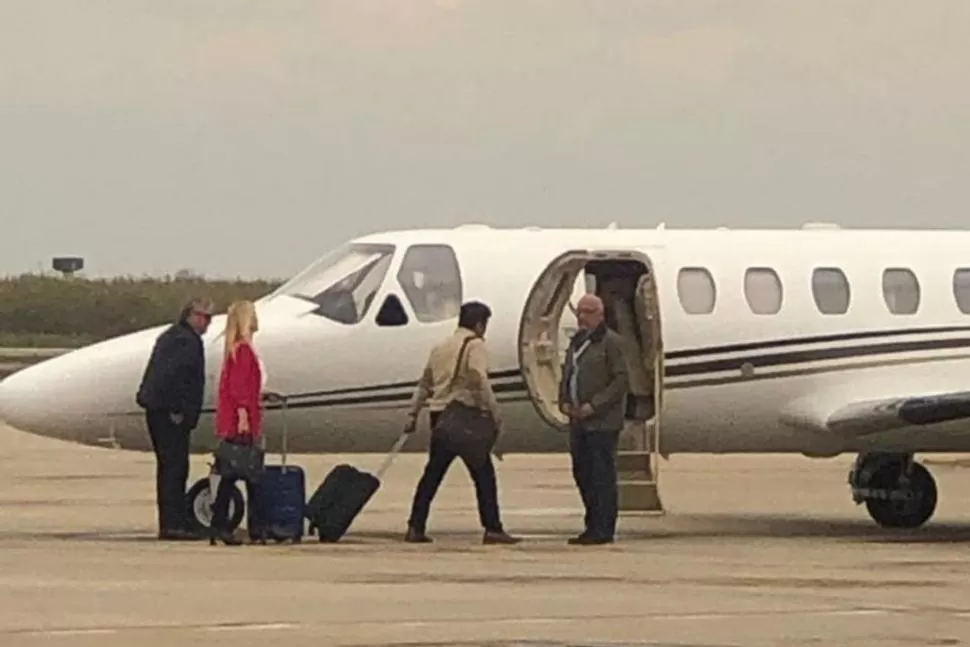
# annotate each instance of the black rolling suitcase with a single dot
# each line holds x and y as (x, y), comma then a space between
(343, 494)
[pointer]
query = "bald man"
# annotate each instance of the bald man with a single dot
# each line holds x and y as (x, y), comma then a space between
(592, 393)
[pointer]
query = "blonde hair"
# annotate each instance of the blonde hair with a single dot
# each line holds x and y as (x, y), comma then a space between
(241, 323)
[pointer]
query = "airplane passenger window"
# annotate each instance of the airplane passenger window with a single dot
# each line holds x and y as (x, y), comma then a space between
(961, 289)
(762, 289)
(696, 290)
(830, 290)
(343, 283)
(431, 281)
(900, 289)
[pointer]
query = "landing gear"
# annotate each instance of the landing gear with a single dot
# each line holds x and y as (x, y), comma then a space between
(898, 492)
(199, 501)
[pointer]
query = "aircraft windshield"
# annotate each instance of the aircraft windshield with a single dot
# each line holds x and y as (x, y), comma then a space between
(343, 283)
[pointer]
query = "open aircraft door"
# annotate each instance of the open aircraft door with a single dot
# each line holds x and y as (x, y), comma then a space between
(624, 279)
(541, 329)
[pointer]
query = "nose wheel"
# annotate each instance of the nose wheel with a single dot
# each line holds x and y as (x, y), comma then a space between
(199, 501)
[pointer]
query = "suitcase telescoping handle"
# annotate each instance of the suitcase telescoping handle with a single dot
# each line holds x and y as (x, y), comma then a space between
(391, 455)
(284, 401)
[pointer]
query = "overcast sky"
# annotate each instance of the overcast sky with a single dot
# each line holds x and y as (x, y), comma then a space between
(244, 137)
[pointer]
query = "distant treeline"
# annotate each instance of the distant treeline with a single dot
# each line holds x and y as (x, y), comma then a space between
(50, 311)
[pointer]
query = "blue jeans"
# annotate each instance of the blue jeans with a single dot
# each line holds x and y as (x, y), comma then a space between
(593, 456)
(440, 458)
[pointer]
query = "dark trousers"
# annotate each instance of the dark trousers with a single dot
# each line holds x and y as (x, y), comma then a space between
(440, 458)
(594, 470)
(171, 444)
(220, 507)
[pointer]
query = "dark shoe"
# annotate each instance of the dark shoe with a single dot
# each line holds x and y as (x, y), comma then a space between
(274, 533)
(499, 537)
(415, 537)
(227, 538)
(177, 534)
(589, 540)
(278, 533)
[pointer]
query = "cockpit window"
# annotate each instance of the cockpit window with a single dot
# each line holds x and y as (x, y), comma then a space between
(344, 282)
(431, 280)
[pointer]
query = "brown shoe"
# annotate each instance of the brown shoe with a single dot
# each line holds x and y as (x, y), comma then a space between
(493, 537)
(415, 537)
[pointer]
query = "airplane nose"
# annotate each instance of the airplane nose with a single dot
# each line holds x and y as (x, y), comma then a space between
(23, 399)
(14, 406)
(52, 396)
(70, 396)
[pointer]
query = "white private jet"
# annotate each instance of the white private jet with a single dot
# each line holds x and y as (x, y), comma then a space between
(816, 341)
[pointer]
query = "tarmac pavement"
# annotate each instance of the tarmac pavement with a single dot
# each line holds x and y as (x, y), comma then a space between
(753, 550)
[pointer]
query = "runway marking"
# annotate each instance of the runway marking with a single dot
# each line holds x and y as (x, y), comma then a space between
(268, 626)
(74, 632)
(544, 512)
(424, 624)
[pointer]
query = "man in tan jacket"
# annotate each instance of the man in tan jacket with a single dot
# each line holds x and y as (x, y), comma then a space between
(445, 379)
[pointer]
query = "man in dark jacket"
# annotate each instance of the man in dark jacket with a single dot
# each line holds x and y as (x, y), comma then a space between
(171, 394)
(592, 393)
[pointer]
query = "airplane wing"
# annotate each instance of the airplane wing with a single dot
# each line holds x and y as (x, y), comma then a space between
(855, 414)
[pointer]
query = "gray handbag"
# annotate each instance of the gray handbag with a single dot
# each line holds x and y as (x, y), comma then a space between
(241, 460)
(468, 431)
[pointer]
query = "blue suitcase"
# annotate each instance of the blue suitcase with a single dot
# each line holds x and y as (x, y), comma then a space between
(282, 492)
(282, 497)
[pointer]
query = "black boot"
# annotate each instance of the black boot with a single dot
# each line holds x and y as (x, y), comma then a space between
(415, 536)
(224, 536)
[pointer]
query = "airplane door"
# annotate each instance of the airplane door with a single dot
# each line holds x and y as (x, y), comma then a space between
(647, 306)
(543, 332)
(624, 280)
(583, 284)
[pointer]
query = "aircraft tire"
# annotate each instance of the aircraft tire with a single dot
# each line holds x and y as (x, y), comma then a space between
(200, 511)
(907, 514)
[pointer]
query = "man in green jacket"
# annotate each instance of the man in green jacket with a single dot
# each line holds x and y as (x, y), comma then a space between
(592, 393)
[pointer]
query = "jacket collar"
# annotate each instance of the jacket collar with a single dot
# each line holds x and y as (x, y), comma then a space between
(595, 335)
(187, 328)
(463, 333)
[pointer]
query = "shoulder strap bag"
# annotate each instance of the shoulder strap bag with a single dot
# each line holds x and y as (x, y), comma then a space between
(468, 431)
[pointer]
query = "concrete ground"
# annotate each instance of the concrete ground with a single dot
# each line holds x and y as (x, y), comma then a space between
(755, 550)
